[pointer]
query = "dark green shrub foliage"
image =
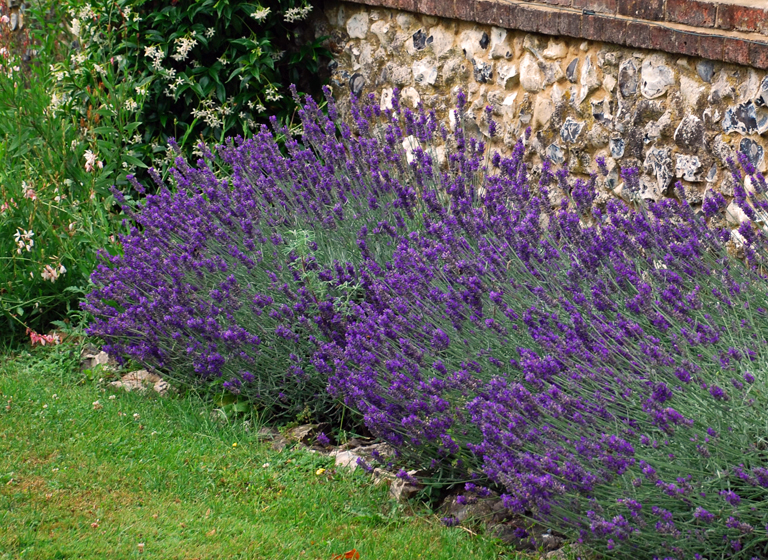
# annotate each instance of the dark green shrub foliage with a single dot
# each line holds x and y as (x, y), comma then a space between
(193, 68)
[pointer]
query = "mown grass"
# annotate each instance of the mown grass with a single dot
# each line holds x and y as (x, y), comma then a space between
(81, 482)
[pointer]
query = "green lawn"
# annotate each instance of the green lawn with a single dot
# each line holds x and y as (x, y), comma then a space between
(78, 481)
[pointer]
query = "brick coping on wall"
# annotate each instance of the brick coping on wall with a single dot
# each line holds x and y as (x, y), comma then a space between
(728, 30)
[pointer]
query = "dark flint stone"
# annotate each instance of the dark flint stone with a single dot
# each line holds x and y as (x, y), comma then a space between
(484, 41)
(712, 173)
(741, 118)
(762, 98)
(555, 154)
(752, 150)
(689, 134)
(628, 78)
(571, 130)
(483, 71)
(419, 40)
(356, 84)
(706, 69)
(617, 147)
(570, 72)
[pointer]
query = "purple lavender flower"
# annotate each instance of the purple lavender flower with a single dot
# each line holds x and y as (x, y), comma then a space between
(718, 393)
(703, 515)
(450, 521)
(731, 497)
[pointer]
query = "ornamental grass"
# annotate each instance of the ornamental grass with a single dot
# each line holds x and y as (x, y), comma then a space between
(601, 366)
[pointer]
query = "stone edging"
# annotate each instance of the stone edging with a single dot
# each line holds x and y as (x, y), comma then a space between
(730, 33)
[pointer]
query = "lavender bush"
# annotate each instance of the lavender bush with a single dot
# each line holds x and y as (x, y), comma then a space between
(602, 367)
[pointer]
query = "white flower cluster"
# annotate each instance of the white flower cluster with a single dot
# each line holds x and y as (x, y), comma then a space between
(131, 105)
(183, 46)
(56, 71)
(210, 32)
(170, 91)
(258, 107)
(271, 94)
(127, 15)
(260, 14)
(24, 240)
(212, 116)
(297, 14)
(78, 58)
(85, 12)
(57, 101)
(157, 56)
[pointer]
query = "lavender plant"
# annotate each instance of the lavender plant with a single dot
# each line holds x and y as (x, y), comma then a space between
(601, 367)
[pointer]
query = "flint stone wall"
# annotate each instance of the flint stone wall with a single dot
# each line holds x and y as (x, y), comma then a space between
(674, 117)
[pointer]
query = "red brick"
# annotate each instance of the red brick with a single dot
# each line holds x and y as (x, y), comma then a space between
(536, 20)
(741, 18)
(661, 37)
(600, 6)
(445, 9)
(506, 14)
(674, 41)
(407, 5)
(642, 9)
(724, 17)
(735, 51)
(527, 19)
(385, 3)
(570, 24)
(605, 29)
(428, 7)
(711, 46)
(548, 22)
(556, 2)
(692, 12)
(485, 12)
(638, 35)
(464, 9)
(758, 55)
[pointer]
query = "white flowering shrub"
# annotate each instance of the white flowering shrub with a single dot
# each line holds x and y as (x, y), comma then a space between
(142, 72)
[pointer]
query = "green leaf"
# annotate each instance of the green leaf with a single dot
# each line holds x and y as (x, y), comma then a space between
(135, 161)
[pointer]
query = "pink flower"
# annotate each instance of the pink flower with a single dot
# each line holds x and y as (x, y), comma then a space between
(29, 192)
(91, 161)
(42, 339)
